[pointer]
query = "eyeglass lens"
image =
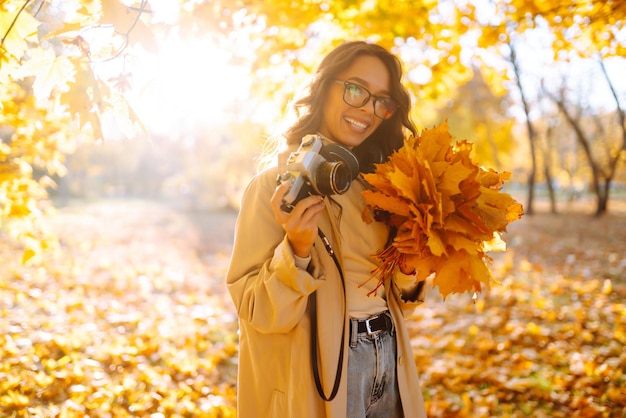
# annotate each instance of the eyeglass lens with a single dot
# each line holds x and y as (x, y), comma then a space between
(358, 96)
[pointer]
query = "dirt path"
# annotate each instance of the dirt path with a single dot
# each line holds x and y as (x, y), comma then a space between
(575, 245)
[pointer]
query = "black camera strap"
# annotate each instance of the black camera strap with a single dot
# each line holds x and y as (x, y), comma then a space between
(314, 336)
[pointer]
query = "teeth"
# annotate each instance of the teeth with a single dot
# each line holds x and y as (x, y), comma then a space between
(356, 123)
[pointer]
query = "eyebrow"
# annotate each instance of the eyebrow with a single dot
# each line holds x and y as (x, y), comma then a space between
(366, 84)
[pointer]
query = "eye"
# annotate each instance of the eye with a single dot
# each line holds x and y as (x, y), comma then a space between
(387, 103)
(355, 91)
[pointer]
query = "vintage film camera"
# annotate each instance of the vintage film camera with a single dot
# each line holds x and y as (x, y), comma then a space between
(317, 169)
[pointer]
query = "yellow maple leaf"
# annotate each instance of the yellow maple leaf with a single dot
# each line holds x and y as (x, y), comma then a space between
(454, 175)
(23, 27)
(460, 242)
(497, 209)
(405, 184)
(434, 143)
(50, 72)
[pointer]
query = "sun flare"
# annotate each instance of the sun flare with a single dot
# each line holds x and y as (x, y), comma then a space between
(192, 84)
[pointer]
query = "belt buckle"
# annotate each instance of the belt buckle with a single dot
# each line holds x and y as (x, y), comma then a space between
(368, 327)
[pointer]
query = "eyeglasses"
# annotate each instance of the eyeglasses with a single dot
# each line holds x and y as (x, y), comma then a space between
(358, 96)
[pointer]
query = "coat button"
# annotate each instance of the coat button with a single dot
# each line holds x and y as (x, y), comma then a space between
(401, 361)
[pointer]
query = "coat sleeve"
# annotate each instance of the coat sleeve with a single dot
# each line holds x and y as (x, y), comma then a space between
(269, 291)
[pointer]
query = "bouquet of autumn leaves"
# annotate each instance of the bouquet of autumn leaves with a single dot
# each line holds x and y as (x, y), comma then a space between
(447, 210)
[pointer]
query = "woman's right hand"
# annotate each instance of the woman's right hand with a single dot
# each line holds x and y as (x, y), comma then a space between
(300, 224)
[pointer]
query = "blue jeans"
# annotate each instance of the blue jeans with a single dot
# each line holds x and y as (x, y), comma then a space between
(372, 383)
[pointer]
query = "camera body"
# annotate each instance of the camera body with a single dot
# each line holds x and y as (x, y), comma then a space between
(315, 169)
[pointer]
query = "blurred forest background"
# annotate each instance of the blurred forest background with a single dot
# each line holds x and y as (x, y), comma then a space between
(129, 128)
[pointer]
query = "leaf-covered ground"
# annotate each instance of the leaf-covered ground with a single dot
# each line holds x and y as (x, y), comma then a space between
(549, 341)
(132, 318)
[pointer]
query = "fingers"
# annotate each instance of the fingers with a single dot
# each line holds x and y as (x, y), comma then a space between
(305, 214)
(301, 223)
(277, 197)
(309, 209)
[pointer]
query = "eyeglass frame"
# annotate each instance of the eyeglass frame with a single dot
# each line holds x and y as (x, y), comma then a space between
(347, 83)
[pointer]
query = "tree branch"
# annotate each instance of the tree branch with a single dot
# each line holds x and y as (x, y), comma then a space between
(620, 111)
(13, 23)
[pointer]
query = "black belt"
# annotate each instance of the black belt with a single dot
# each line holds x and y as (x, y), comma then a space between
(381, 322)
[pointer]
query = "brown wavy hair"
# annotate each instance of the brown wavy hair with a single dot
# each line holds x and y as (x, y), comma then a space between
(309, 108)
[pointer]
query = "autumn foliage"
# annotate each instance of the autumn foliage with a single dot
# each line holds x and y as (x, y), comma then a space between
(74, 66)
(447, 210)
(129, 319)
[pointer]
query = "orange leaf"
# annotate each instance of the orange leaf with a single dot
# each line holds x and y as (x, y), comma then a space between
(389, 203)
(435, 243)
(453, 276)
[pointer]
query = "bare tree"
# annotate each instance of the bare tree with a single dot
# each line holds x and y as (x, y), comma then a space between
(602, 175)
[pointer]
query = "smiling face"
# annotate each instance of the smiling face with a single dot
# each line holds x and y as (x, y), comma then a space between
(348, 125)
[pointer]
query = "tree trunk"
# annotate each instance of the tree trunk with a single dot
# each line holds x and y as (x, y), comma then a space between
(603, 198)
(547, 163)
(582, 140)
(548, 175)
(531, 136)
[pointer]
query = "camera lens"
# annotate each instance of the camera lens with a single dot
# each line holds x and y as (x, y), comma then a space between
(333, 177)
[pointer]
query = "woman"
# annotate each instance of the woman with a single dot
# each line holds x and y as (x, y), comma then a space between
(318, 337)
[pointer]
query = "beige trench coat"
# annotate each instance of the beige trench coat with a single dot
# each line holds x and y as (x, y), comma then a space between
(275, 377)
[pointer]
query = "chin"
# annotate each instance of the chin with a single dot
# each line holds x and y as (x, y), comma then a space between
(351, 140)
